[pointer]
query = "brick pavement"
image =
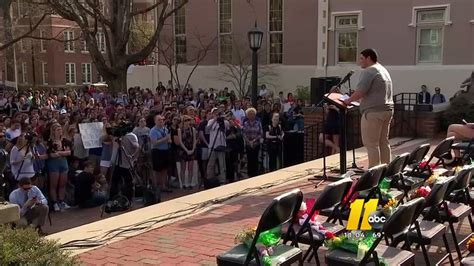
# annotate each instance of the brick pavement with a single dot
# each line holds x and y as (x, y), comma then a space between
(197, 239)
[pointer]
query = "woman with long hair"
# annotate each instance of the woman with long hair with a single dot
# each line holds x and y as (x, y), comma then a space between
(58, 150)
(187, 143)
(274, 138)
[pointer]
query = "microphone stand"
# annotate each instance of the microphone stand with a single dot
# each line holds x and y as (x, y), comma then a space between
(354, 166)
(322, 178)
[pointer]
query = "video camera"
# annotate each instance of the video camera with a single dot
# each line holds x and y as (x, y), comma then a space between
(120, 130)
(30, 136)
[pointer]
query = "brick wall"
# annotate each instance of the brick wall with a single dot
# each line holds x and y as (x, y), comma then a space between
(404, 124)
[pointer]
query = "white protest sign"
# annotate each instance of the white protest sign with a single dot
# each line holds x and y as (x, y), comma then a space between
(91, 134)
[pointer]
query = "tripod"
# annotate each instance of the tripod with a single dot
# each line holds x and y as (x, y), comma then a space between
(220, 130)
(136, 179)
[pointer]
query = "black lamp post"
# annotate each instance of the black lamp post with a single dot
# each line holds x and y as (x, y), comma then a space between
(255, 41)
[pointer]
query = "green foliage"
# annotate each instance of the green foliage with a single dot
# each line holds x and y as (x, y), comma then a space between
(460, 108)
(26, 247)
(303, 93)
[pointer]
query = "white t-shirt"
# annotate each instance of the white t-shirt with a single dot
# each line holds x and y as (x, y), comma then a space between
(27, 169)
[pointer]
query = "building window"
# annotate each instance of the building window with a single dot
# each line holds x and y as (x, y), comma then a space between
(346, 38)
(19, 8)
(69, 41)
(101, 41)
(84, 46)
(23, 45)
(24, 74)
(44, 71)
(70, 72)
(86, 69)
(276, 31)
(430, 24)
(180, 33)
(43, 44)
(225, 31)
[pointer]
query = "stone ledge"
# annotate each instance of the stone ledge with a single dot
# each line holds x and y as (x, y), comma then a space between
(9, 213)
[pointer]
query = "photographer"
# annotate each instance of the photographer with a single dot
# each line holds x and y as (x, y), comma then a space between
(124, 152)
(235, 146)
(217, 128)
(22, 157)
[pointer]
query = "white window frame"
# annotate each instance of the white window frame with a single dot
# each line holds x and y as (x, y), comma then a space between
(417, 9)
(86, 73)
(84, 49)
(44, 73)
(276, 32)
(224, 34)
(180, 35)
(68, 43)
(430, 25)
(19, 8)
(42, 42)
(72, 73)
(101, 42)
(24, 74)
(355, 28)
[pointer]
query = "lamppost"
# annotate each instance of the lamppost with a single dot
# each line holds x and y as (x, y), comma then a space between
(255, 40)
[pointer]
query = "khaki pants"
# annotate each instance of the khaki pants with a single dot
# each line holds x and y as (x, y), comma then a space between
(375, 127)
(34, 217)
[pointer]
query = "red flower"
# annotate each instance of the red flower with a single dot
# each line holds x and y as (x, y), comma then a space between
(329, 235)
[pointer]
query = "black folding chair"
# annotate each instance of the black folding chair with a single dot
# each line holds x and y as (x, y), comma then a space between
(394, 174)
(280, 211)
(397, 224)
(441, 151)
(423, 232)
(466, 148)
(331, 196)
(416, 157)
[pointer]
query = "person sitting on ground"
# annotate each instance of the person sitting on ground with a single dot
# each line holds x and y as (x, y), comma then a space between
(459, 132)
(86, 188)
(438, 97)
(33, 204)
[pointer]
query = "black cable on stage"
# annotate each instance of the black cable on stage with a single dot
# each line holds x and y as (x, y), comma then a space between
(96, 241)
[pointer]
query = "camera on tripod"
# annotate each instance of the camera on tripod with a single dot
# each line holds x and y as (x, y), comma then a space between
(121, 130)
(30, 136)
(221, 121)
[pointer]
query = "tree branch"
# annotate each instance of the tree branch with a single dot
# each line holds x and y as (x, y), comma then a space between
(25, 35)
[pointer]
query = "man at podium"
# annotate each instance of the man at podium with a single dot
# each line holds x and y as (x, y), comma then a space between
(376, 106)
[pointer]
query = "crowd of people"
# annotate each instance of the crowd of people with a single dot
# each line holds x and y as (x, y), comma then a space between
(179, 139)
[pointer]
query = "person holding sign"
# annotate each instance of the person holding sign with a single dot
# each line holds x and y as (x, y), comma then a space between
(376, 106)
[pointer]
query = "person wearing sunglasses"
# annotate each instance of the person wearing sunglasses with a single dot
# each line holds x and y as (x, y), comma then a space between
(33, 204)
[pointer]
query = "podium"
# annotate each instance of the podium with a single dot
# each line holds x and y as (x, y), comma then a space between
(334, 99)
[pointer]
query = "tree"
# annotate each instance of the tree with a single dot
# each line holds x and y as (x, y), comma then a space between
(239, 71)
(113, 18)
(167, 56)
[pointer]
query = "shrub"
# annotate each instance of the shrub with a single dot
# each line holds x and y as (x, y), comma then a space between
(26, 247)
(303, 93)
(460, 108)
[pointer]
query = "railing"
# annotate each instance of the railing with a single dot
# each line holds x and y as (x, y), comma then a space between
(405, 115)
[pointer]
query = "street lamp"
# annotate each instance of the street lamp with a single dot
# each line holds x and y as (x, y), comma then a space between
(255, 42)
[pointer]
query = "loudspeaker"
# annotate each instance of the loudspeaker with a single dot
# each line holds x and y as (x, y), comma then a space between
(321, 86)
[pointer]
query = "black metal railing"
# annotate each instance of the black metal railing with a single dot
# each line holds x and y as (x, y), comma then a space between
(405, 115)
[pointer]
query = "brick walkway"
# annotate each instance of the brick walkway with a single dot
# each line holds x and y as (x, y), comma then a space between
(199, 238)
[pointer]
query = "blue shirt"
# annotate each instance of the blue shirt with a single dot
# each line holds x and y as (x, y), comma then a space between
(157, 134)
(19, 197)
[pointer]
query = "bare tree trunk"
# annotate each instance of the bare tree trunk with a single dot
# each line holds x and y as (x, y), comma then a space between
(9, 54)
(118, 83)
(33, 61)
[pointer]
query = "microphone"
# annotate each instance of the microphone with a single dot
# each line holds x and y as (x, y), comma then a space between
(346, 78)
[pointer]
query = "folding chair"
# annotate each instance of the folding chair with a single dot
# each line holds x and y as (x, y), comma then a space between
(280, 211)
(466, 148)
(398, 224)
(394, 174)
(442, 150)
(416, 157)
(331, 196)
(367, 185)
(423, 232)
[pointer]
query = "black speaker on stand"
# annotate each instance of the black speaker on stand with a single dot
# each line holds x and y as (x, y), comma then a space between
(321, 86)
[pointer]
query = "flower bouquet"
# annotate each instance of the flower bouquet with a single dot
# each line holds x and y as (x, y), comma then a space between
(305, 211)
(265, 244)
(359, 244)
(422, 191)
(470, 244)
(390, 207)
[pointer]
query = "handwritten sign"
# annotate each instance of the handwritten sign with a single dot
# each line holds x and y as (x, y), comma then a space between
(91, 134)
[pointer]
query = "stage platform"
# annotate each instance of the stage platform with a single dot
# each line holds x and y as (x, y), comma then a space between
(193, 229)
